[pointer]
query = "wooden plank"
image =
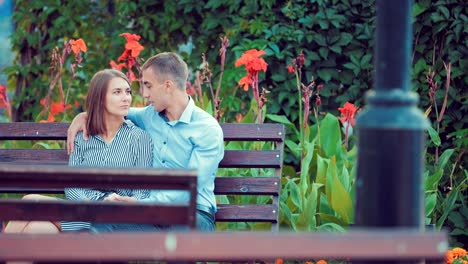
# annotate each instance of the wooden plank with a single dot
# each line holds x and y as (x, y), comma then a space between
(95, 211)
(388, 244)
(40, 176)
(232, 158)
(248, 185)
(251, 159)
(253, 132)
(247, 213)
(33, 131)
(223, 185)
(58, 131)
(34, 156)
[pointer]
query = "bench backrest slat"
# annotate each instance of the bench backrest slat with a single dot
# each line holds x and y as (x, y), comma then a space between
(247, 185)
(244, 158)
(58, 131)
(101, 212)
(232, 158)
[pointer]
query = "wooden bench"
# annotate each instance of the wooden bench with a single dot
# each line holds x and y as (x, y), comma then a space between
(356, 245)
(235, 185)
(61, 176)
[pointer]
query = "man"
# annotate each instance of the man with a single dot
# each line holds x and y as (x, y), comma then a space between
(184, 136)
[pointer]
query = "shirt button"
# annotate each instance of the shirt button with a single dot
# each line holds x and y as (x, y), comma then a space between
(163, 161)
(164, 142)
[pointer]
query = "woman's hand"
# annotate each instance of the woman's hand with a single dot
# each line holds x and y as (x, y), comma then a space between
(113, 197)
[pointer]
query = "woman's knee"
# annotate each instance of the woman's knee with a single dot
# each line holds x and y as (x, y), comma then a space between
(40, 227)
(37, 197)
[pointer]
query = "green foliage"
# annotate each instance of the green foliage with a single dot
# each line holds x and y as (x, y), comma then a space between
(337, 40)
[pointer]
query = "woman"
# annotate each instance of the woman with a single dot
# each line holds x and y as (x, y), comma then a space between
(113, 142)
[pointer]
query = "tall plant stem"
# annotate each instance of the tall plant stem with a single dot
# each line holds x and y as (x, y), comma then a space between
(301, 125)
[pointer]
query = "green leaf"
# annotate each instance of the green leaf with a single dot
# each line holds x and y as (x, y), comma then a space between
(326, 74)
(295, 194)
(448, 207)
(444, 11)
(457, 219)
(418, 9)
(345, 39)
(330, 227)
(336, 49)
(444, 158)
(320, 40)
(340, 199)
(305, 165)
(280, 119)
(330, 135)
(307, 220)
(322, 165)
(294, 147)
(434, 136)
(433, 181)
(431, 201)
(323, 52)
(365, 61)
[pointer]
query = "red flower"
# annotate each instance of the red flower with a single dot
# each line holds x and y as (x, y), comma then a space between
(116, 66)
(245, 81)
(253, 64)
(347, 113)
(56, 108)
(290, 69)
(51, 119)
(252, 61)
(132, 44)
(130, 37)
(78, 45)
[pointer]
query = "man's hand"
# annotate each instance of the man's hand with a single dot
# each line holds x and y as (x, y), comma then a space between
(78, 124)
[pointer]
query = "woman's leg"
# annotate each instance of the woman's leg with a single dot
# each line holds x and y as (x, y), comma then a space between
(33, 226)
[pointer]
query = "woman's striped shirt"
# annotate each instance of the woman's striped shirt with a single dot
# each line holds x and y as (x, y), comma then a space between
(131, 147)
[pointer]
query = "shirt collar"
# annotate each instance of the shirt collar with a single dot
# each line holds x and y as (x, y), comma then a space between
(185, 117)
(128, 123)
(187, 114)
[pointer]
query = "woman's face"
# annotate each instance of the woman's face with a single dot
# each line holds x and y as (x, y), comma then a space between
(118, 97)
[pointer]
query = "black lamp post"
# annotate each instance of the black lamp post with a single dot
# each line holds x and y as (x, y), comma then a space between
(389, 190)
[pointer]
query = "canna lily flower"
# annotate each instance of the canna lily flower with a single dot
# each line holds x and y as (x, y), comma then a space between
(116, 66)
(347, 113)
(78, 46)
(132, 44)
(252, 61)
(347, 119)
(245, 82)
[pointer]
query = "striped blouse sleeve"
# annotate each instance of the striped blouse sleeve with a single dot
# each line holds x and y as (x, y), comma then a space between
(80, 193)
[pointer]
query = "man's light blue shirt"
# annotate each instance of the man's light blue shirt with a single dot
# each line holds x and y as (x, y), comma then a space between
(195, 141)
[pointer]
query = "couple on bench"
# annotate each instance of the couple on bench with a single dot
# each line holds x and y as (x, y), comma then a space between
(171, 132)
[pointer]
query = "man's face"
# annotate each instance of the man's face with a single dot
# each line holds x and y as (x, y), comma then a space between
(154, 90)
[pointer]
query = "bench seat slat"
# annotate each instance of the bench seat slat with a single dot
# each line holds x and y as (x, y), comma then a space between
(246, 213)
(232, 158)
(93, 211)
